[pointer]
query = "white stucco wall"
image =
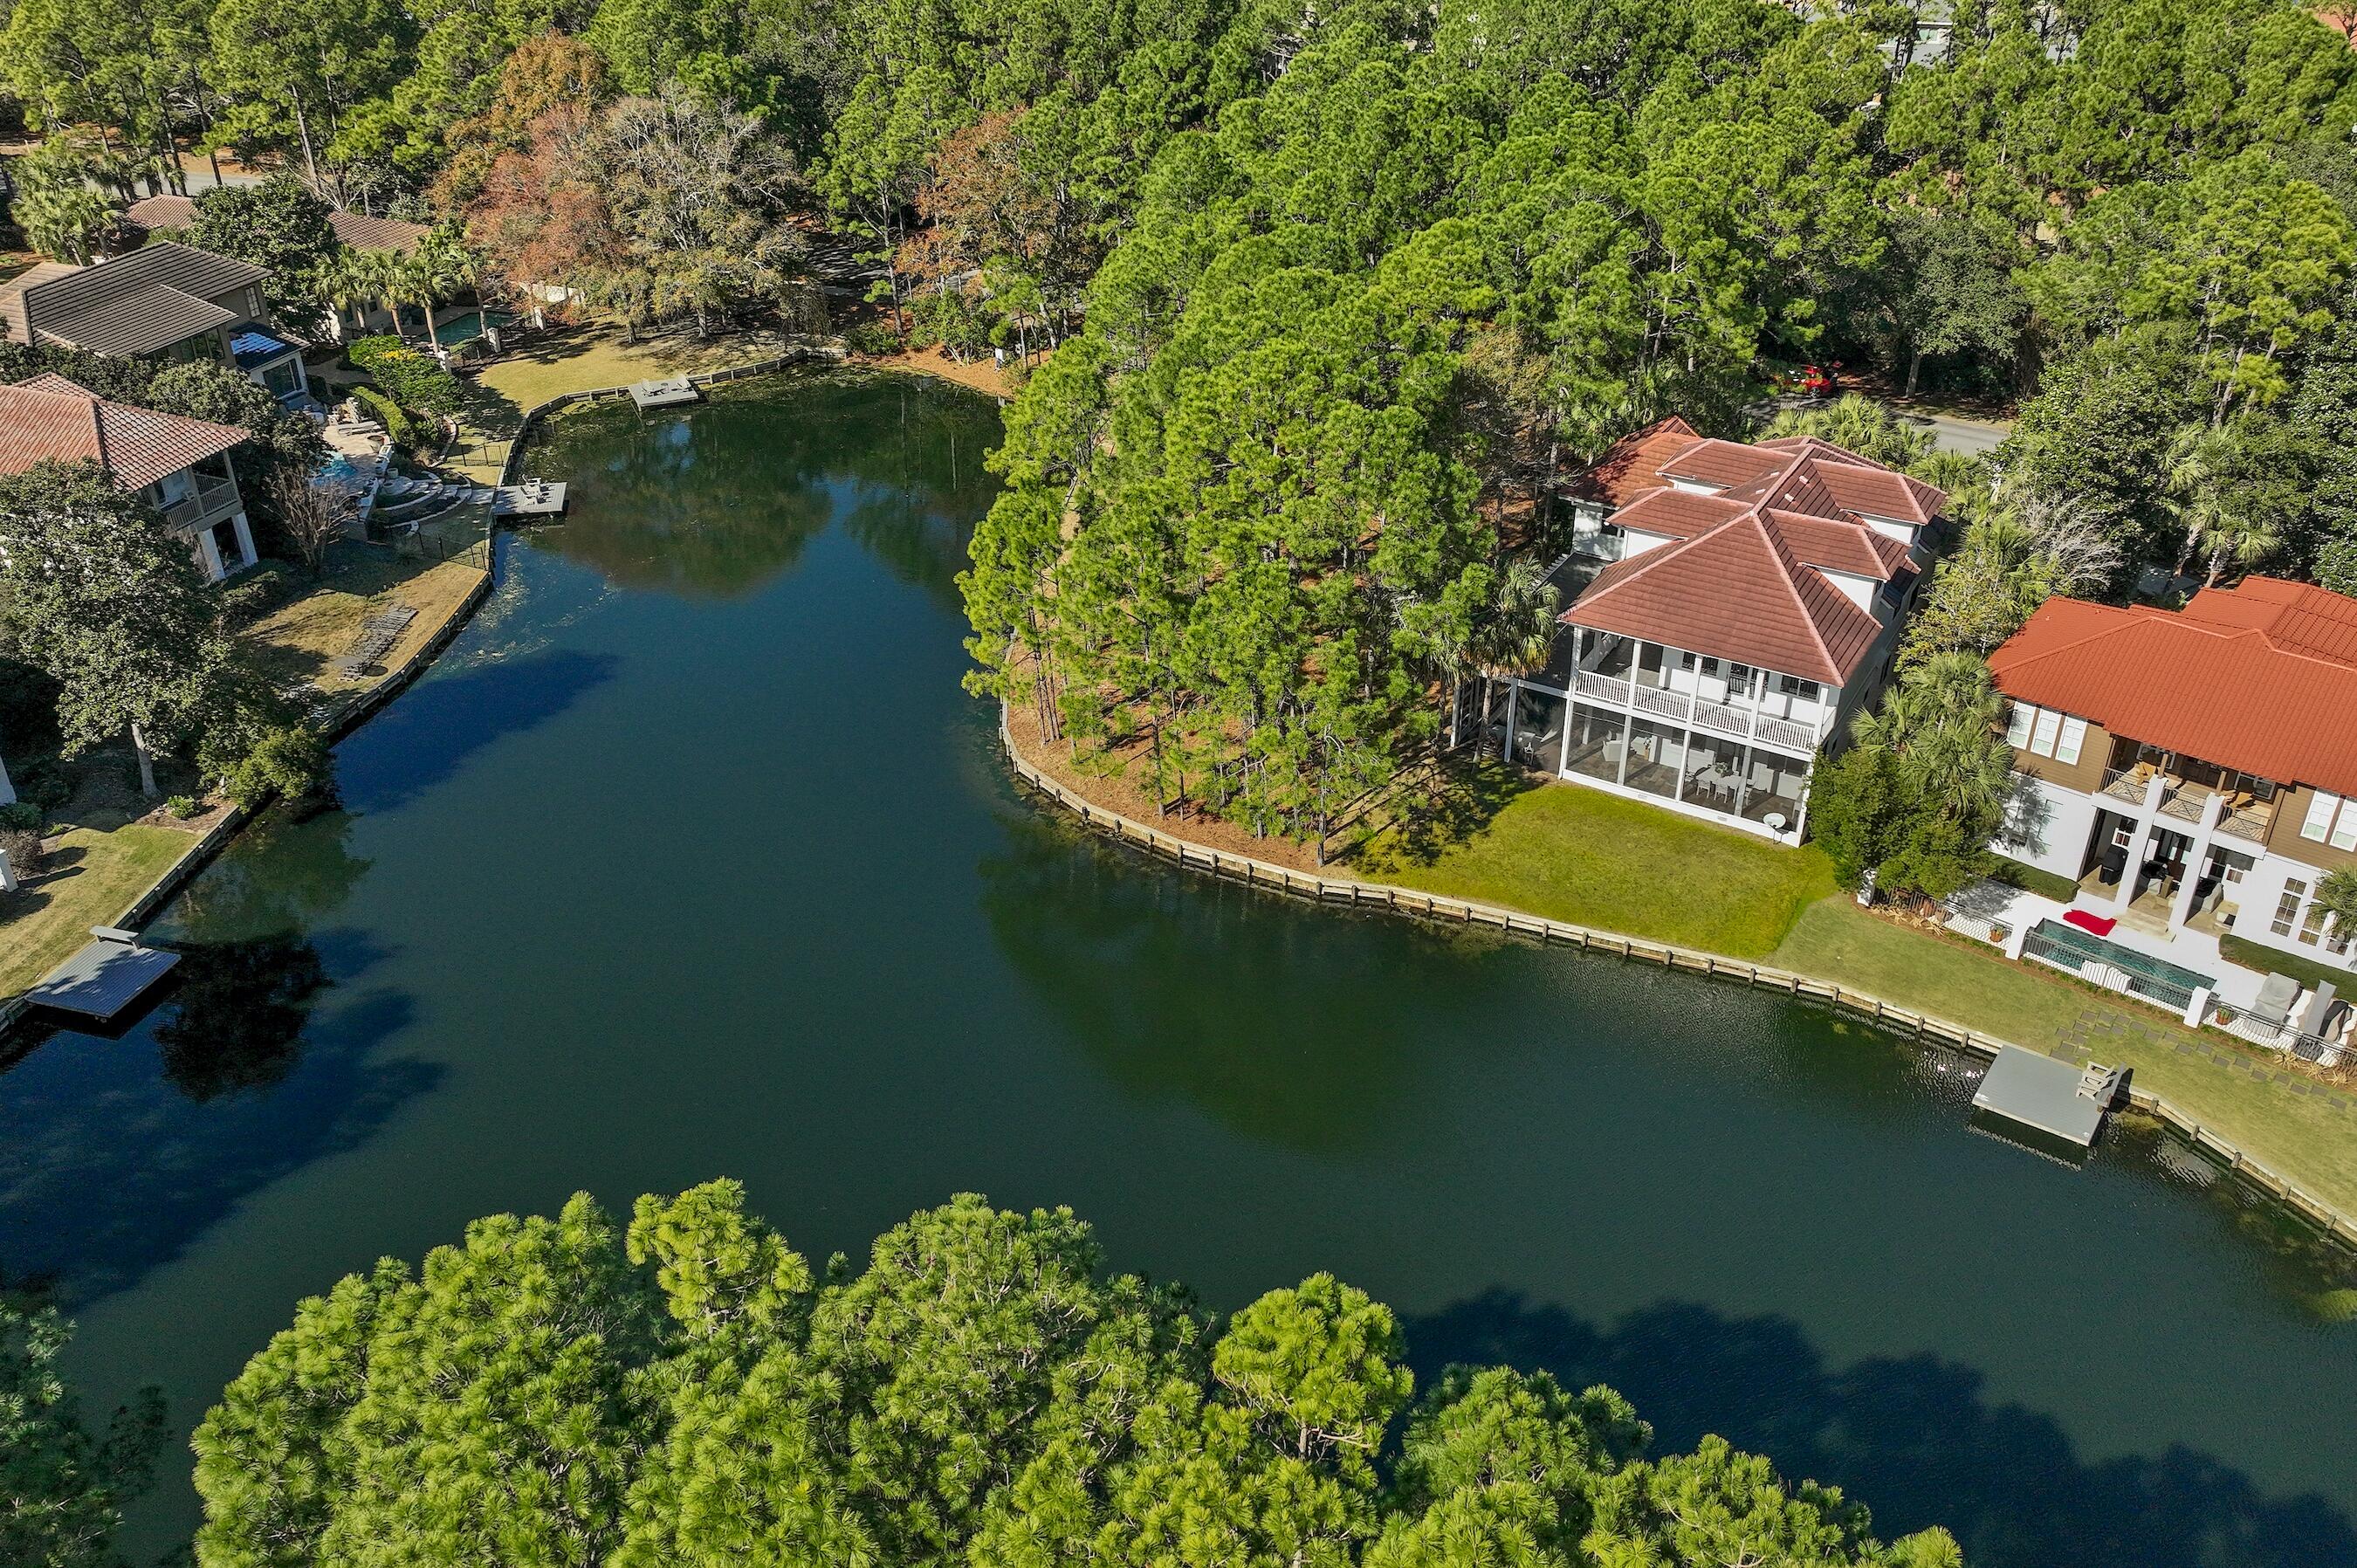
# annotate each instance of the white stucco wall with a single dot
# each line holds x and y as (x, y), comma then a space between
(2047, 826)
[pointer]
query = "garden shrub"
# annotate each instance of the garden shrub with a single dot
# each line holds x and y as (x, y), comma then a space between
(389, 413)
(19, 816)
(292, 763)
(872, 337)
(23, 848)
(415, 380)
(182, 807)
(45, 784)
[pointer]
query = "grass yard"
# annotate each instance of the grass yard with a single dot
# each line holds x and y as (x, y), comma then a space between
(300, 641)
(2274, 961)
(1593, 859)
(91, 879)
(2281, 1119)
(585, 361)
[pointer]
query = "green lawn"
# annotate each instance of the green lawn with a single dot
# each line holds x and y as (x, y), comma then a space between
(2310, 1138)
(2274, 961)
(91, 878)
(1593, 859)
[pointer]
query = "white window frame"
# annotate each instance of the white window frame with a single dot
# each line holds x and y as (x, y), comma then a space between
(2041, 740)
(2016, 729)
(2320, 809)
(2072, 739)
(2344, 832)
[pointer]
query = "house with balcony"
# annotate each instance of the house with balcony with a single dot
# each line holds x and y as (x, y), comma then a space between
(180, 466)
(165, 302)
(1745, 601)
(2193, 772)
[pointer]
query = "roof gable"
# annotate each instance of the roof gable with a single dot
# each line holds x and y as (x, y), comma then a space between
(135, 303)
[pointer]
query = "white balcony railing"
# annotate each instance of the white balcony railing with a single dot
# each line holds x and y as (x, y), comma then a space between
(1727, 719)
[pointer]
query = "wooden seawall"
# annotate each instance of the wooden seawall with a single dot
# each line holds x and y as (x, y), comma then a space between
(1864, 1005)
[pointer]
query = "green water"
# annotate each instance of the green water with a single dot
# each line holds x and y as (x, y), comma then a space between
(691, 858)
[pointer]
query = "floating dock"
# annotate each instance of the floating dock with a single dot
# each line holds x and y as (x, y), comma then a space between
(2047, 1095)
(105, 977)
(666, 393)
(533, 498)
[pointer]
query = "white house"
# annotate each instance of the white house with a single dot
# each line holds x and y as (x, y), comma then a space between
(1750, 603)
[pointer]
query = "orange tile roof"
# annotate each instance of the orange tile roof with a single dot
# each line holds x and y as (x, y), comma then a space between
(1632, 465)
(1745, 578)
(1738, 591)
(2261, 677)
(49, 419)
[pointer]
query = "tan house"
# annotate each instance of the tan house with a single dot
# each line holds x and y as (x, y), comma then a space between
(2193, 771)
(168, 214)
(180, 466)
(1748, 602)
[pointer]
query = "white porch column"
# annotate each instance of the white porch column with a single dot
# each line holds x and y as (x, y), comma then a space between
(7, 790)
(1514, 703)
(208, 556)
(244, 540)
(2131, 873)
(2196, 856)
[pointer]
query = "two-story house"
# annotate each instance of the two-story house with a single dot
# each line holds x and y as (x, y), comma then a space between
(166, 301)
(165, 213)
(180, 466)
(1750, 605)
(2192, 770)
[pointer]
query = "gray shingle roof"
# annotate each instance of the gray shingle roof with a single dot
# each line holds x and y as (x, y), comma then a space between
(151, 298)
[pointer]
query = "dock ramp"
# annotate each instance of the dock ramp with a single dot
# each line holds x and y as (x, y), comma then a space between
(667, 392)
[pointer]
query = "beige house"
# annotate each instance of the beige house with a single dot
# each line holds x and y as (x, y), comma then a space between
(180, 466)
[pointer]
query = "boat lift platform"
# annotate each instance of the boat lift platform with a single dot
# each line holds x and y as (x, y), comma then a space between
(668, 392)
(2048, 1095)
(105, 977)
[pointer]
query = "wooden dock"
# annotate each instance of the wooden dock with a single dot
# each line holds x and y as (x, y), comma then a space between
(668, 392)
(533, 498)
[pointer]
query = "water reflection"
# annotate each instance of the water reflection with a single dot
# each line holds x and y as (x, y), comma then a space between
(720, 501)
(1181, 988)
(236, 1017)
(1915, 1437)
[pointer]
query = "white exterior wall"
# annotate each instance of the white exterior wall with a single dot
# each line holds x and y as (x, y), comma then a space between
(2256, 897)
(1636, 542)
(2047, 826)
(1859, 591)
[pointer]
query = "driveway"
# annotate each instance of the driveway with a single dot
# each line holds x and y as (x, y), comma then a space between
(1951, 432)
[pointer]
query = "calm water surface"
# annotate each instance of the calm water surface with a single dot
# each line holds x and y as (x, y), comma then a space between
(691, 858)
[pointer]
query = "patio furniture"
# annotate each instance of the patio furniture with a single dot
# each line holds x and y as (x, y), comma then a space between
(2114, 862)
(2277, 994)
(1774, 820)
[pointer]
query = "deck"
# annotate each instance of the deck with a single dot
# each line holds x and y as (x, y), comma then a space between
(108, 975)
(2047, 1095)
(668, 392)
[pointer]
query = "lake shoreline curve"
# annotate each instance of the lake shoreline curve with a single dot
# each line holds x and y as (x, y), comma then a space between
(1189, 854)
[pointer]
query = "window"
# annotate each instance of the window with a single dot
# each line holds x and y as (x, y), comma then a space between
(2345, 832)
(2313, 927)
(2074, 735)
(2287, 906)
(2016, 729)
(2041, 740)
(2319, 816)
(1793, 686)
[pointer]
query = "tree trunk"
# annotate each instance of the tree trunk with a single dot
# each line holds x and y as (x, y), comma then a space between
(146, 763)
(1914, 367)
(303, 131)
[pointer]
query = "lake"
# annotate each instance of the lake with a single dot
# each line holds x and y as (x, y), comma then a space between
(691, 858)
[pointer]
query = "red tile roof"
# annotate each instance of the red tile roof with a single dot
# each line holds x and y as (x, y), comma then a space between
(1747, 578)
(1632, 465)
(49, 419)
(1740, 590)
(2261, 677)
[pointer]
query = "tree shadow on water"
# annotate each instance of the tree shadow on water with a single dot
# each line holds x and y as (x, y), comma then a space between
(1914, 1438)
(424, 739)
(113, 1158)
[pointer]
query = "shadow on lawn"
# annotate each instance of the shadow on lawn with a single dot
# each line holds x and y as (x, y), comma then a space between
(1439, 808)
(1915, 1438)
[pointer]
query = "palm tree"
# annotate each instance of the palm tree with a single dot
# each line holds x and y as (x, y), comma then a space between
(2190, 472)
(1941, 724)
(341, 284)
(1515, 633)
(376, 277)
(2337, 896)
